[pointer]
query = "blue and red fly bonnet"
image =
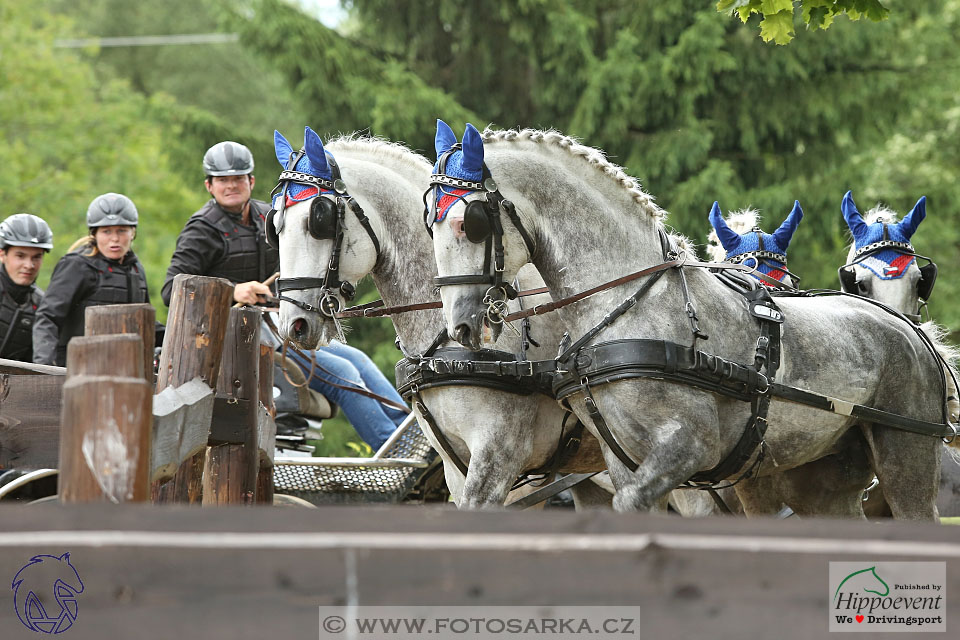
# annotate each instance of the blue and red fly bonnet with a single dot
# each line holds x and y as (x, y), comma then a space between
(465, 163)
(883, 247)
(766, 252)
(314, 162)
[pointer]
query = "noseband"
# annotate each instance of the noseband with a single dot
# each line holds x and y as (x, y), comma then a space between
(481, 223)
(326, 222)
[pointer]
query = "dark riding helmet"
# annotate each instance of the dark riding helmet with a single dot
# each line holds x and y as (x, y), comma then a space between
(111, 209)
(227, 159)
(25, 230)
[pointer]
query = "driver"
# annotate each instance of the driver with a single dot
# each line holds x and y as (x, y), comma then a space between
(224, 239)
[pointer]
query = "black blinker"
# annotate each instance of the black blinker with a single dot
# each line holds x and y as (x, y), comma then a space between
(928, 276)
(270, 231)
(848, 280)
(476, 222)
(322, 223)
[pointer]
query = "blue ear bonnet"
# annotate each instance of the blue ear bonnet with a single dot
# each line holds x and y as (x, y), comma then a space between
(750, 242)
(455, 168)
(888, 263)
(465, 163)
(298, 192)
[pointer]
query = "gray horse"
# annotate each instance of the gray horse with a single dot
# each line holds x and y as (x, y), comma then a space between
(498, 434)
(889, 273)
(586, 222)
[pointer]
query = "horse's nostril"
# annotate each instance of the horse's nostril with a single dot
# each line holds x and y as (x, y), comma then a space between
(299, 326)
(462, 334)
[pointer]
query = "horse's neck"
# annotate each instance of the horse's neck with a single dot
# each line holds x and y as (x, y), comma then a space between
(392, 197)
(589, 230)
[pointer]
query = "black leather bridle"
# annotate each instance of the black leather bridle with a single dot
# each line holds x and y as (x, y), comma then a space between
(481, 223)
(326, 222)
(928, 272)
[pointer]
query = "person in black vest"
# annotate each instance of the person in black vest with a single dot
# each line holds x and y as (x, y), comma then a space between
(98, 269)
(225, 238)
(24, 238)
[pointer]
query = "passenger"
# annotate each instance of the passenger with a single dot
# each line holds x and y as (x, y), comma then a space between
(98, 269)
(24, 238)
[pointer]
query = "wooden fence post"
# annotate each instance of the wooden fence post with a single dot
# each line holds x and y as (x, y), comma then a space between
(106, 422)
(268, 431)
(192, 347)
(230, 474)
(126, 318)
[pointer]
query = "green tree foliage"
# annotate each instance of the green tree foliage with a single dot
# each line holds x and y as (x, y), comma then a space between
(779, 15)
(68, 137)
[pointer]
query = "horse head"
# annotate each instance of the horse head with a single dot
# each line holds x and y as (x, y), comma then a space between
(881, 262)
(315, 223)
(472, 224)
(738, 238)
(45, 581)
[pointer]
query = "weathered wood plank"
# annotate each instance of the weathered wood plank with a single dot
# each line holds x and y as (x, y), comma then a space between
(30, 420)
(192, 347)
(139, 319)
(250, 573)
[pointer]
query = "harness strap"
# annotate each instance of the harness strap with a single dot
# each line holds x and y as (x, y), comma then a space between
(437, 433)
(603, 429)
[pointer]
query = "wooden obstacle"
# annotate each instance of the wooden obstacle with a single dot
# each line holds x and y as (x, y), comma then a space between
(99, 422)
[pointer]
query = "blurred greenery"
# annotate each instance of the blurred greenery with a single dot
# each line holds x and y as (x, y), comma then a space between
(689, 100)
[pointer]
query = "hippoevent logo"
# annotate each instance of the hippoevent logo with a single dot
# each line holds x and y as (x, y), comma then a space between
(888, 596)
(45, 593)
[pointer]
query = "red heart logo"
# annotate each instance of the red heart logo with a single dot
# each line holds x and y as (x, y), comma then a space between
(859, 618)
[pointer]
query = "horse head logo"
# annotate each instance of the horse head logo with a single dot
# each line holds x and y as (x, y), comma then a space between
(45, 593)
(865, 580)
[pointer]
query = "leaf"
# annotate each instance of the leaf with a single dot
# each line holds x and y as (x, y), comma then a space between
(777, 27)
(776, 6)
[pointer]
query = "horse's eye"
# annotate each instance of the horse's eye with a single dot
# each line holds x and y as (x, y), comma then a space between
(864, 286)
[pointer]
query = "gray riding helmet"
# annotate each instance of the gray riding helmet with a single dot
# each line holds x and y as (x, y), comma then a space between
(112, 209)
(25, 230)
(227, 159)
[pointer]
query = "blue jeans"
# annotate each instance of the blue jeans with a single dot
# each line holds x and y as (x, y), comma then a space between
(348, 366)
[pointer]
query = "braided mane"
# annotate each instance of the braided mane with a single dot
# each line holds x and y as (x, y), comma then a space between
(380, 146)
(592, 156)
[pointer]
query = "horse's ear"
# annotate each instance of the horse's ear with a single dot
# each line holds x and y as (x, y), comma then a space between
(854, 220)
(472, 150)
(908, 226)
(445, 139)
(729, 239)
(282, 147)
(315, 152)
(789, 226)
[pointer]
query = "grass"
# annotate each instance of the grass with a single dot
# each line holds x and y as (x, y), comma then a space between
(340, 440)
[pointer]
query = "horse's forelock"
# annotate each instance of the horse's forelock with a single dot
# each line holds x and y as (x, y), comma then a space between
(881, 213)
(594, 157)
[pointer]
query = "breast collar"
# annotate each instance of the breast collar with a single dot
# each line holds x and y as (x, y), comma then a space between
(328, 304)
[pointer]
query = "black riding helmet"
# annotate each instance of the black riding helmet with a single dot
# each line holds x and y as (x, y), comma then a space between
(25, 230)
(227, 159)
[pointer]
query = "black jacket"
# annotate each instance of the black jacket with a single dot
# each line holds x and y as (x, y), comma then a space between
(78, 282)
(214, 243)
(18, 306)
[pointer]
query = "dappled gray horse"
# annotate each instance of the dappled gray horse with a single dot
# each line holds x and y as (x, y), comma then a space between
(498, 434)
(583, 221)
(882, 265)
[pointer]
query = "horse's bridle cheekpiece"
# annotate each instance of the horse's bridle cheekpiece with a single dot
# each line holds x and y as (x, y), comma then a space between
(325, 222)
(481, 223)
